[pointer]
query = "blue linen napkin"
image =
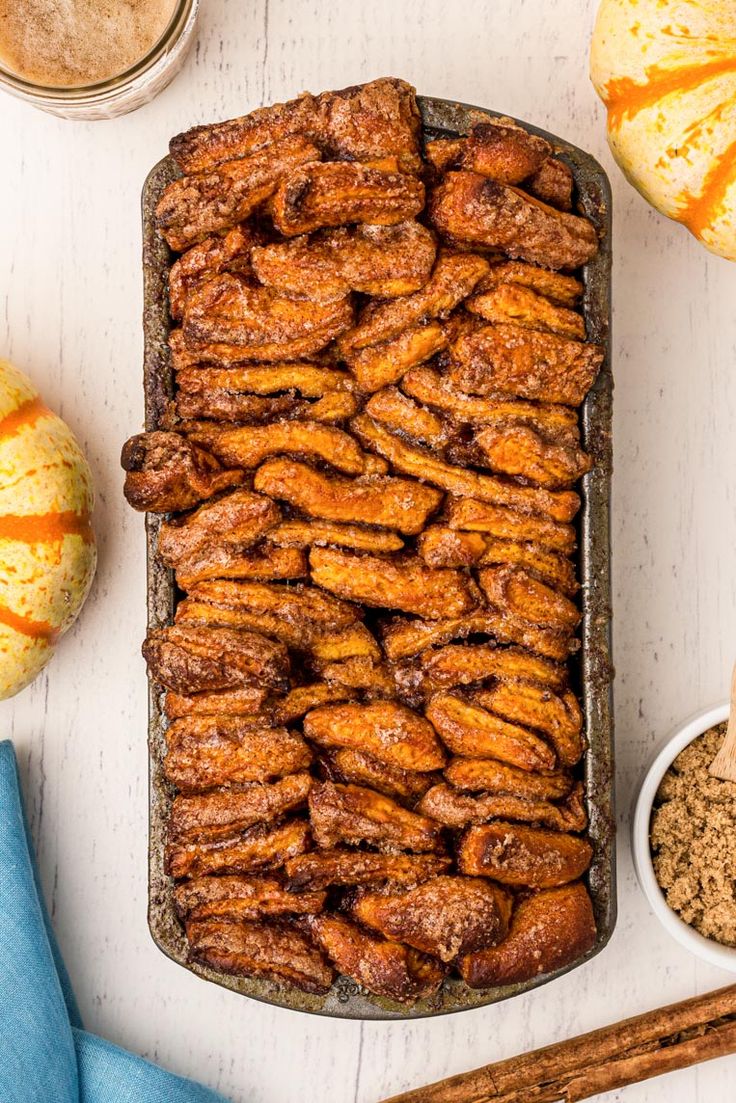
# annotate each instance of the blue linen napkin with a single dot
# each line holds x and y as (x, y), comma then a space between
(45, 1054)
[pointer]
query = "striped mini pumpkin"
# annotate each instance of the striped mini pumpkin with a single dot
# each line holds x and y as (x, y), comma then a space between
(666, 70)
(47, 547)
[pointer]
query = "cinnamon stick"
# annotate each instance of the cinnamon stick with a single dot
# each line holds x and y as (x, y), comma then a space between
(628, 1052)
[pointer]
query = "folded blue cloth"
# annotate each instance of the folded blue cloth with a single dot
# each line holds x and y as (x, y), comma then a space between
(45, 1055)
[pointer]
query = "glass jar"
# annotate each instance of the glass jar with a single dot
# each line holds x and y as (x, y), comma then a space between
(125, 92)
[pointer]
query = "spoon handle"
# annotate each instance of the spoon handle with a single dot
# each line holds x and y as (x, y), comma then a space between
(723, 765)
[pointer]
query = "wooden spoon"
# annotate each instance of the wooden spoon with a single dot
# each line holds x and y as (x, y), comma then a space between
(723, 765)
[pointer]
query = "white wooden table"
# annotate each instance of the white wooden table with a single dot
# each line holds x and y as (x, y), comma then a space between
(70, 270)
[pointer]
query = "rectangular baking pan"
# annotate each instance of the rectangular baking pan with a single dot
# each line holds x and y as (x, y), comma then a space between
(591, 670)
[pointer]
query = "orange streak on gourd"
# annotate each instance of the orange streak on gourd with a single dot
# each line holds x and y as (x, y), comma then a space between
(625, 98)
(699, 211)
(45, 528)
(36, 629)
(27, 413)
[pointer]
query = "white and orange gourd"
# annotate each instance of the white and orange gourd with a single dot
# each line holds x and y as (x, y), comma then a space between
(666, 70)
(47, 547)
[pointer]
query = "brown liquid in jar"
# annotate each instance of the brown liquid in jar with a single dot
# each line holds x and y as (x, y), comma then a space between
(73, 43)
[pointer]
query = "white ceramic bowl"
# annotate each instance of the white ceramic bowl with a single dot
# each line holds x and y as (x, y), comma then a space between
(705, 948)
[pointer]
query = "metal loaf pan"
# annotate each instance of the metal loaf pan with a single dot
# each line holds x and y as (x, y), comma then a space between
(592, 670)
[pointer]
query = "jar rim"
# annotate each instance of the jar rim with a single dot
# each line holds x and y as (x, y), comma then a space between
(183, 10)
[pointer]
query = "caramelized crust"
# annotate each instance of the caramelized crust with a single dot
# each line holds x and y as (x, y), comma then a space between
(229, 310)
(337, 193)
(447, 547)
(229, 252)
(227, 562)
(473, 732)
(385, 968)
(429, 387)
(355, 642)
(226, 406)
(387, 730)
(243, 701)
(385, 261)
(516, 360)
(512, 303)
(192, 207)
(454, 276)
(323, 868)
(354, 815)
(239, 518)
(470, 208)
(562, 289)
(302, 699)
(353, 766)
(560, 506)
(519, 855)
(242, 898)
(548, 931)
(557, 716)
(455, 809)
(165, 472)
(380, 365)
(463, 665)
(514, 590)
(263, 847)
(366, 122)
(393, 584)
(279, 953)
(304, 534)
(197, 660)
(220, 815)
(401, 504)
(361, 672)
(552, 183)
(207, 751)
(403, 638)
(399, 413)
(310, 380)
(503, 151)
(489, 775)
(445, 916)
(249, 447)
(472, 516)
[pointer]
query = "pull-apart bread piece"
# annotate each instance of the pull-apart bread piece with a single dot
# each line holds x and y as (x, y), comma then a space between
(218, 815)
(470, 208)
(278, 952)
(383, 966)
(209, 751)
(511, 359)
(377, 121)
(353, 815)
(455, 809)
(393, 584)
(229, 309)
(263, 847)
(387, 730)
(548, 930)
(321, 869)
(518, 855)
(385, 261)
(229, 251)
(352, 766)
(190, 659)
(164, 472)
(193, 207)
(445, 916)
(242, 898)
(338, 193)
(371, 457)
(401, 504)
